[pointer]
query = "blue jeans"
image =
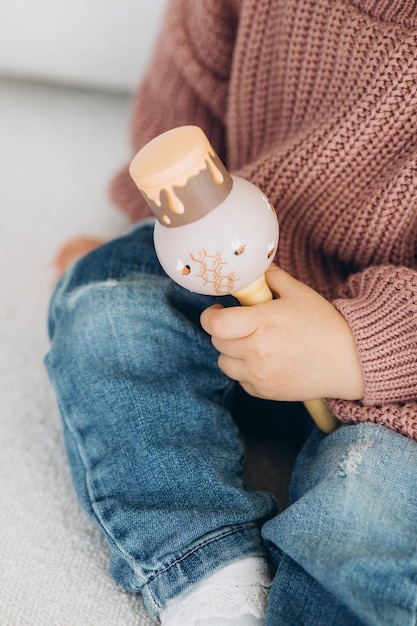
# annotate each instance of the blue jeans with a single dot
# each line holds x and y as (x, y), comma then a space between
(157, 460)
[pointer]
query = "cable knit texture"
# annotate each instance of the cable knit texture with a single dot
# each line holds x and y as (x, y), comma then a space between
(316, 103)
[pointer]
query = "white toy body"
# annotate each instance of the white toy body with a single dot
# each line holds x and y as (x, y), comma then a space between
(227, 249)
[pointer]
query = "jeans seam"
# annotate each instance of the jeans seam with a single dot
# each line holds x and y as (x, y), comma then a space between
(201, 545)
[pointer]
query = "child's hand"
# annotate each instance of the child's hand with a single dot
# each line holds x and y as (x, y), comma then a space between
(72, 250)
(297, 347)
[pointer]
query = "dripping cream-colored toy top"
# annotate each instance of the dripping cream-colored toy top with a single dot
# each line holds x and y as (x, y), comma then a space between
(180, 169)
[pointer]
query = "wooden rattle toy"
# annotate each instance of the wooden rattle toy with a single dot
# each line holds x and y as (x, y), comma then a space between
(215, 233)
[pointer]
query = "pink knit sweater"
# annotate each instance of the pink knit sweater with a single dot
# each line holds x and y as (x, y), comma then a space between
(315, 101)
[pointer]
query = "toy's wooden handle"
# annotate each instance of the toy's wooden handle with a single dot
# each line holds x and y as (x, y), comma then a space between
(321, 414)
(258, 292)
(255, 293)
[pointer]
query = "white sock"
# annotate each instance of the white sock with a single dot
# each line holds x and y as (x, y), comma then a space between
(235, 595)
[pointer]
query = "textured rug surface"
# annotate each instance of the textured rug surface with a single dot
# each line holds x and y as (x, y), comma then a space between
(58, 149)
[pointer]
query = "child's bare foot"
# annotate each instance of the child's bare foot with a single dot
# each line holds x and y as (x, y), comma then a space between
(72, 250)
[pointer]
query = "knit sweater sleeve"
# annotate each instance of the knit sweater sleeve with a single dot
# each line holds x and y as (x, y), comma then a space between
(186, 83)
(380, 305)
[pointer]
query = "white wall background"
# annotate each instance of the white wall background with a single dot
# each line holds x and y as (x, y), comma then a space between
(99, 43)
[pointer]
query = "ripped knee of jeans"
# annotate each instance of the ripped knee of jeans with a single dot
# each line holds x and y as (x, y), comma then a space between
(353, 457)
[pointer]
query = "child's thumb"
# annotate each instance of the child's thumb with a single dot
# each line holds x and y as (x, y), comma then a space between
(280, 282)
